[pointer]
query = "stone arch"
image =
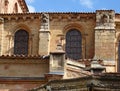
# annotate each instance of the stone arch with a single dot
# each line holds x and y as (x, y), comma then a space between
(21, 26)
(73, 26)
(78, 27)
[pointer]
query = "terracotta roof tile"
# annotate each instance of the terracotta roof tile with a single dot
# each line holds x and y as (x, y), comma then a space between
(25, 56)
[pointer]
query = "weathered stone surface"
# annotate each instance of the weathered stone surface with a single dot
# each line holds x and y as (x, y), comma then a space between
(101, 82)
(100, 33)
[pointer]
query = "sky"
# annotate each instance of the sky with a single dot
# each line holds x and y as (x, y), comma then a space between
(72, 5)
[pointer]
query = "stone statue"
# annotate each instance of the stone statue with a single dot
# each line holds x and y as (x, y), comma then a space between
(45, 21)
(45, 18)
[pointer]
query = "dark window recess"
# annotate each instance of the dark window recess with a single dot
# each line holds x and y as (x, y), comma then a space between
(21, 42)
(73, 44)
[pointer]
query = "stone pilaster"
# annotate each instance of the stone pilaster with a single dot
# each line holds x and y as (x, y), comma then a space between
(57, 59)
(44, 35)
(1, 33)
(104, 37)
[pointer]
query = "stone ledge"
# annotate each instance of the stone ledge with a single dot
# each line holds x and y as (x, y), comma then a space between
(17, 80)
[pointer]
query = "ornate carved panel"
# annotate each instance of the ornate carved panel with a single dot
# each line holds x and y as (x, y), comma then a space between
(73, 44)
(105, 19)
(21, 42)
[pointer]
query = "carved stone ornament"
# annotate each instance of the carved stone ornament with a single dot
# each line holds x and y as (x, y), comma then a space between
(45, 21)
(105, 19)
(45, 18)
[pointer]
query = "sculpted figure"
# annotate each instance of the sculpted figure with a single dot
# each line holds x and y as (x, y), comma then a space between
(45, 18)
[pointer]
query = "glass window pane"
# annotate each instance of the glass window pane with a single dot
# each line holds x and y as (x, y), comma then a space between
(21, 42)
(73, 44)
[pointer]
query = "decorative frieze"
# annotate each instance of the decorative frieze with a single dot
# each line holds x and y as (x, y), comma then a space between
(20, 17)
(71, 17)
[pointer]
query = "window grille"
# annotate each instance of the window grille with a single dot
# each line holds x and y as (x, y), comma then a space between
(21, 42)
(74, 44)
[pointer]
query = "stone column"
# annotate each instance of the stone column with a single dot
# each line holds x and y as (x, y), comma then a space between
(44, 35)
(31, 44)
(104, 38)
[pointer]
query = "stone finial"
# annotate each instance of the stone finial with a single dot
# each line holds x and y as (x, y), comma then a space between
(96, 67)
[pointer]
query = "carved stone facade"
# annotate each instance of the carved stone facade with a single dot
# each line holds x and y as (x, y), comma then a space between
(105, 19)
(74, 43)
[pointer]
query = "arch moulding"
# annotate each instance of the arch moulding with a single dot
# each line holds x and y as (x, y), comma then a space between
(79, 28)
(73, 26)
(21, 27)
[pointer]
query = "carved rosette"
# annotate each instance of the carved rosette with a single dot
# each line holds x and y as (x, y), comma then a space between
(105, 19)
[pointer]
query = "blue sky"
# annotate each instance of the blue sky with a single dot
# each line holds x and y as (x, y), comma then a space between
(72, 5)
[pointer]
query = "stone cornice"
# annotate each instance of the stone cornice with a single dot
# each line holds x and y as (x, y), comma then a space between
(53, 16)
(24, 61)
(104, 10)
(72, 16)
(20, 16)
(105, 81)
(22, 80)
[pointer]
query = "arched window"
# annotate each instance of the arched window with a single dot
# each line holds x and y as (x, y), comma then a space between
(6, 2)
(21, 42)
(74, 44)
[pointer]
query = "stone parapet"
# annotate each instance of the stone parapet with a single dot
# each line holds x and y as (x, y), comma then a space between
(100, 82)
